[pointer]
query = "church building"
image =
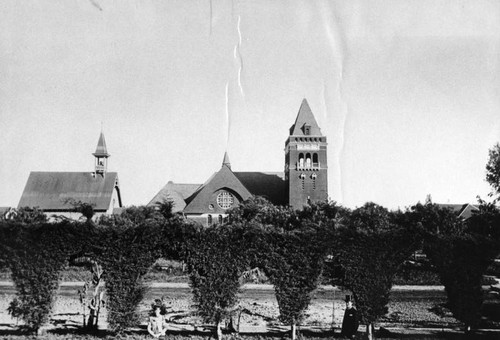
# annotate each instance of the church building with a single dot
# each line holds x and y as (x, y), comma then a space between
(304, 180)
(59, 193)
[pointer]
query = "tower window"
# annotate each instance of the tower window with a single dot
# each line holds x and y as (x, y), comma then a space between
(308, 160)
(307, 130)
(313, 176)
(209, 219)
(315, 160)
(220, 219)
(303, 179)
(301, 160)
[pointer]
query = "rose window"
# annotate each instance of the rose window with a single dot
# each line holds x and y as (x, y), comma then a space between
(225, 200)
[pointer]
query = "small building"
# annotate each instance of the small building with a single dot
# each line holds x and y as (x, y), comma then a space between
(462, 210)
(303, 181)
(60, 193)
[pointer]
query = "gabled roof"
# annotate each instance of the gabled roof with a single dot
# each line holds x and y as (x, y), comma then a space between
(178, 193)
(270, 185)
(101, 150)
(60, 190)
(462, 210)
(305, 117)
(224, 179)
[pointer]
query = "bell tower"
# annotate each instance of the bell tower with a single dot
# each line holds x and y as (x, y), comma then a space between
(101, 156)
(305, 160)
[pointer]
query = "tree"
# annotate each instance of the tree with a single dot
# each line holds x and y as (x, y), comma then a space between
(461, 252)
(216, 262)
(290, 246)
(28, 215)
(493, 168)
(371, 247)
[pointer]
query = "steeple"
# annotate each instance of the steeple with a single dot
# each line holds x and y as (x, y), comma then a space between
(226, 161)
(305, 123)
(101, 155)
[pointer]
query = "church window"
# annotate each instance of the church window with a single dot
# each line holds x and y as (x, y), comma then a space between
(225, 200)
(209, 219)
(301, 160)
(308, 160)
(220, 219)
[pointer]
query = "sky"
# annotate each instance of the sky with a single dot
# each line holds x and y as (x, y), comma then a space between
(407, 92)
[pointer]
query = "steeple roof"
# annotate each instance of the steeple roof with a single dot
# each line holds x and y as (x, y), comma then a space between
(101, 150)
(304, 118)
(226, 161)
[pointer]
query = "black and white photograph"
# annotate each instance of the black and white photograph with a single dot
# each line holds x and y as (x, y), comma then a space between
(243, 170)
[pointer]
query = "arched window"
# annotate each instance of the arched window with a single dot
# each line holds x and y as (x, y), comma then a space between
(209, 219)
(220, 219)
(301, 160)
(315, 160)
(308, 160)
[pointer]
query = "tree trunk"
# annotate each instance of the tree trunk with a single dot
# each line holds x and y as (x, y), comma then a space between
(294, 331)
(219, 330)
(369, 331)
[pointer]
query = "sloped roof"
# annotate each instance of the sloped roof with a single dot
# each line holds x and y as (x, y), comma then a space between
(101, 149)
(58, 190)
(223, 179)
(178, 193)
(305, 117)
(270, 185)
(462, 210)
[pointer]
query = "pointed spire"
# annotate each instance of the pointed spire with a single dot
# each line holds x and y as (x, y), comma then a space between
(305, 118)
(101, 150)
(226, 161)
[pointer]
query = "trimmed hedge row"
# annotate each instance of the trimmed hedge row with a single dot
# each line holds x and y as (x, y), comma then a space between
(362, 250)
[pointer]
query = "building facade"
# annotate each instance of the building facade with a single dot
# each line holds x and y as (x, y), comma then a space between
(304, 180)
(58, 194)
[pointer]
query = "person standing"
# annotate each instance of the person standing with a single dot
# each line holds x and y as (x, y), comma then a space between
(350, 323)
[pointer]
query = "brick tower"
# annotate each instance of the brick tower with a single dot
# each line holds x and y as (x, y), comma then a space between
(306, 169)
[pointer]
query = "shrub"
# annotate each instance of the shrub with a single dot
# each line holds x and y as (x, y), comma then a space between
(36, 254)
(371, 248)
(216, 262)
(461, 255)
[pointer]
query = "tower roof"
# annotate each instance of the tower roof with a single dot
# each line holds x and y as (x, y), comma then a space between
(226, 161)
(101, 150)
(304, 118)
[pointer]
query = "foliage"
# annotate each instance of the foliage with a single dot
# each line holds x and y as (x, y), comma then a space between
(36, 254)
(461, 255)
(371, 247)
(493, 168)
(27, 215)
(216, 262)
(293, 264)
(290, 246)
(126, 255)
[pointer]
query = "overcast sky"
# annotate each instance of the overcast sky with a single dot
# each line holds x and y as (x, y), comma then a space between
(407, 92)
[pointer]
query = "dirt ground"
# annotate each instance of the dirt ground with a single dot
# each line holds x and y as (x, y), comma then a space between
(259, 312)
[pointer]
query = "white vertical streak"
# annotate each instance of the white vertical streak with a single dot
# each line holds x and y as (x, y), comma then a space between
(228, 125)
